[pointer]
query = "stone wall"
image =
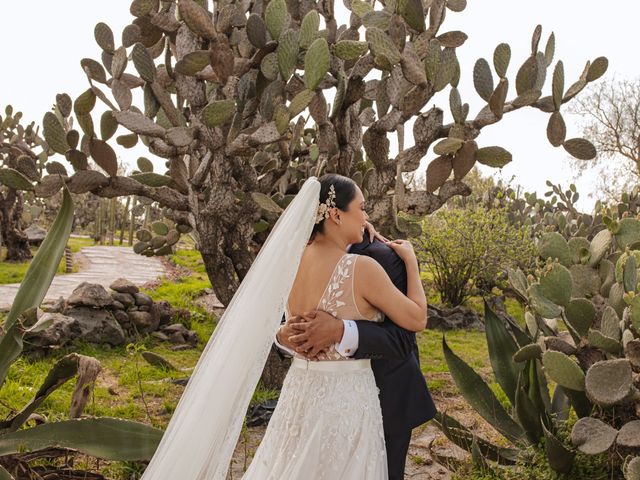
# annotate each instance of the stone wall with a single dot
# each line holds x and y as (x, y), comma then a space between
(112, 318)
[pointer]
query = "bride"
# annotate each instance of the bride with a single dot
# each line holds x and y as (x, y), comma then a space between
(327, 423)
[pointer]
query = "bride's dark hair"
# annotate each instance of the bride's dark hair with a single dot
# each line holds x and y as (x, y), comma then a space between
(345, 192)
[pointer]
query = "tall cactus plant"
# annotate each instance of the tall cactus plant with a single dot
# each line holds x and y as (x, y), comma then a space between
(234, 101)
(21, 149)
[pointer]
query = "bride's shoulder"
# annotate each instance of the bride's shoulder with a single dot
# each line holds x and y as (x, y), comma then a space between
(367, 265)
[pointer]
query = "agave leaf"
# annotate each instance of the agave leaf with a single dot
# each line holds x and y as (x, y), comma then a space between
(108, 438)
(463, 437)
(36, 282)
(527, 414)
(502, 348)
(560, 404)
(559, 457)
(481, 398)
(64, 369)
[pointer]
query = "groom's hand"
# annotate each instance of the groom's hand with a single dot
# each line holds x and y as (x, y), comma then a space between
(285, 331)
(318, 332)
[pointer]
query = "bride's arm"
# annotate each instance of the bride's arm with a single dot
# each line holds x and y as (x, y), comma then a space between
(410, 311)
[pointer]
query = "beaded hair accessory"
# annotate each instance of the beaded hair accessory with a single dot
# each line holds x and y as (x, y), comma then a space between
(328, 204)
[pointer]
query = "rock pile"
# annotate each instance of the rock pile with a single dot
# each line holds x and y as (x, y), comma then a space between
(113, 318)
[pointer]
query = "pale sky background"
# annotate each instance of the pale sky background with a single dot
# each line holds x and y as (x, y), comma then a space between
(43, 43)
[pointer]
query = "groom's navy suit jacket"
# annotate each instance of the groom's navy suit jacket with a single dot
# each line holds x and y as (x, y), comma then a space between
(404, 397)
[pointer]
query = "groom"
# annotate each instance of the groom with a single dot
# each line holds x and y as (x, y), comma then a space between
(404, 397)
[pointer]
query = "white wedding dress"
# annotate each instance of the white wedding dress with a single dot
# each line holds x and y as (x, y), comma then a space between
(328, 423)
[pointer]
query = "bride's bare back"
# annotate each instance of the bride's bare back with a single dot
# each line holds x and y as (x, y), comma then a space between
(328, 284)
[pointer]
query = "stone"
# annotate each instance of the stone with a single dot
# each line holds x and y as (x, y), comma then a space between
(121, 317)
(454, 318)
(176, 337)
(117, 305)
(58, 306)
(35, 234)
(122, 285)
(176, 327)
(143, 321)
(160, 336)
(192, 337)
(164, 311)
(180, 347)
(144, 308)
(90, 295)
(142, 299)
(97, 326)
(125, 299)
(61, 332)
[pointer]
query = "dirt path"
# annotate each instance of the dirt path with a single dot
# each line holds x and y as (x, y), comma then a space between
(100, 264)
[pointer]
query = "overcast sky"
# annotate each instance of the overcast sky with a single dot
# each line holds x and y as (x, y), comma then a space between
(43, 43)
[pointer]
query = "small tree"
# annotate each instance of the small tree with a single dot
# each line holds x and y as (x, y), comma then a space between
(467, 250)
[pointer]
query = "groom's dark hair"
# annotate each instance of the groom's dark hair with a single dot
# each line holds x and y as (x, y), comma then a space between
(345, 189)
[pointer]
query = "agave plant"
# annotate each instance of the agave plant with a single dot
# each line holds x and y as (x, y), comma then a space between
(533, 417)
(109, 438)
(591, 288)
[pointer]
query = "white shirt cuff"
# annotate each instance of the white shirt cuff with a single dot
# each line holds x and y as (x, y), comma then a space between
(349, 343)
(282, 347)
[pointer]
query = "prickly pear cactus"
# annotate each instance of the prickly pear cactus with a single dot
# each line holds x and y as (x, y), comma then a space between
(235, 102)
(591, 287)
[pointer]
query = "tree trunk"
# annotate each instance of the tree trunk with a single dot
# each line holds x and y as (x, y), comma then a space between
(15, 240)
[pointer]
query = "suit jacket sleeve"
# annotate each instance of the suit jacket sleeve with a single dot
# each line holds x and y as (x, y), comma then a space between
(384, 340)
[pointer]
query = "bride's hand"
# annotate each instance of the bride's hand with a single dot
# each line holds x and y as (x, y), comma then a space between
(373, 233)
(404, 249)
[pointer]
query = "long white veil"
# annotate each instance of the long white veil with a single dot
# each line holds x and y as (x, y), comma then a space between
(204, 429)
